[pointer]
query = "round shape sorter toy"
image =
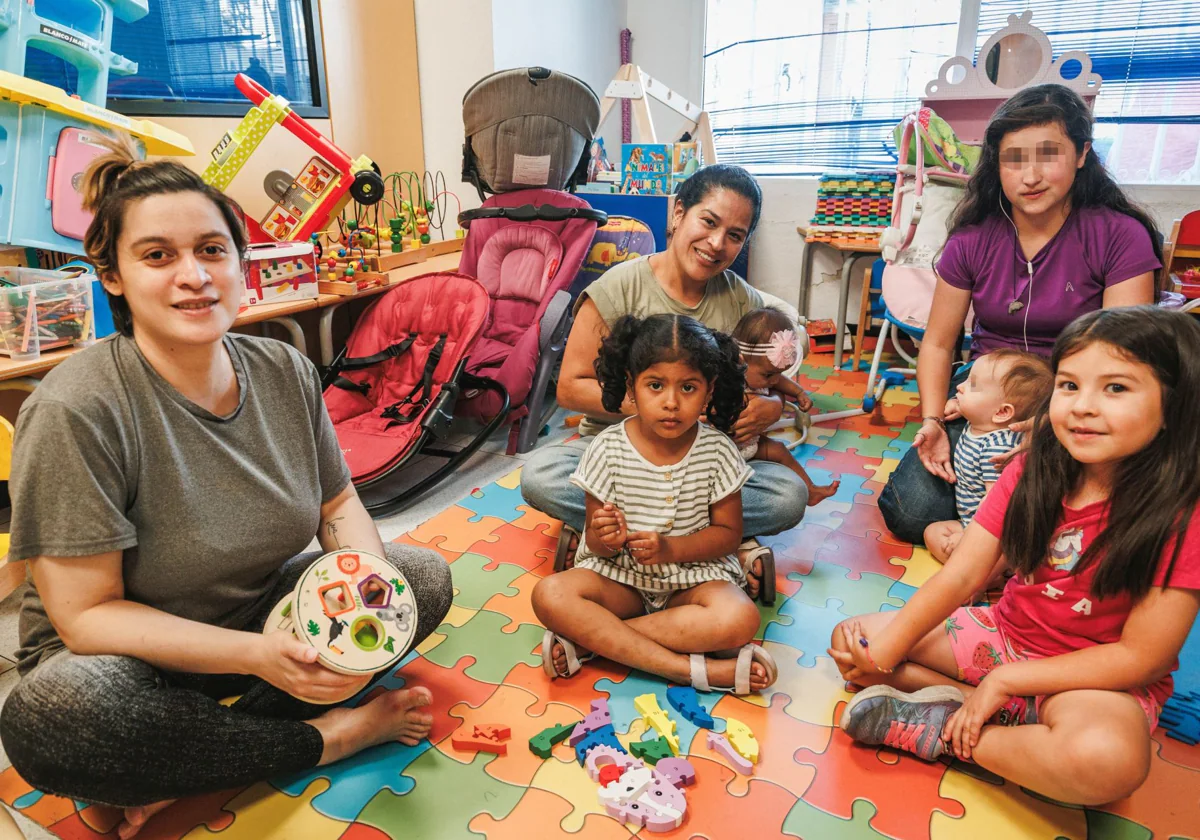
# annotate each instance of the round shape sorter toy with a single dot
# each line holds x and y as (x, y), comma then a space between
(355, 608)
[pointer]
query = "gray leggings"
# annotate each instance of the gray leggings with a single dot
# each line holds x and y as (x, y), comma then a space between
(115, 730)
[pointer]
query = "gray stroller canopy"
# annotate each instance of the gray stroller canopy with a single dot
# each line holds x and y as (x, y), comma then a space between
(528, 127)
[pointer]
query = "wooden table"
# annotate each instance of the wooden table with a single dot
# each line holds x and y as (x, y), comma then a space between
(275, 313)
(850, 255)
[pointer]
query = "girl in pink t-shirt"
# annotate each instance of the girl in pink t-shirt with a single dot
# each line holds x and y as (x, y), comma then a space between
(1100, 527)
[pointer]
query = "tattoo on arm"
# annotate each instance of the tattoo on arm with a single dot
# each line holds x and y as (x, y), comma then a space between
(331, 528)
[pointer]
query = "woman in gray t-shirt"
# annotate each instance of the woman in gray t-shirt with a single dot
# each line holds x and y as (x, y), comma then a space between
(165, 484)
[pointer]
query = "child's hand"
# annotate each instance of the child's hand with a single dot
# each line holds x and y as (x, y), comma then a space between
(963, 728)
(953, 538)
(650, 547)
(852, 657)
(608, 524)
(804, 402)
(952, 412)
(1003, 458)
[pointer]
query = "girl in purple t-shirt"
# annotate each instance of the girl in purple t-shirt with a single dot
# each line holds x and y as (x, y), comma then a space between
(1042, 236)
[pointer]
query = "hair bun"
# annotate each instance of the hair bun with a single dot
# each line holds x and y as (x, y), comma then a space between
(103, 172)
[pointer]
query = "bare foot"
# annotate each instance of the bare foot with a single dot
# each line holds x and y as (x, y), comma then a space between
(136, 818)
(753, 574)
(721, 673)
(818, 493)
(392, 716)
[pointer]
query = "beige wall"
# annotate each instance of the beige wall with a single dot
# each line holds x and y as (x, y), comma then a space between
(374, 100)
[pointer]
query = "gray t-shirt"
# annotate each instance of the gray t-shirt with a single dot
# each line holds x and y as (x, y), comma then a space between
(631, 288)
(109, 456)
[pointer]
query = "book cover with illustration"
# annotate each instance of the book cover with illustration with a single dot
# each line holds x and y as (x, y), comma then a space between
(684, 162)
(646, 168)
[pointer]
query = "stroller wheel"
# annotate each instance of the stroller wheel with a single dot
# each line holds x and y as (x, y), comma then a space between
(562, 552)
(367, 187)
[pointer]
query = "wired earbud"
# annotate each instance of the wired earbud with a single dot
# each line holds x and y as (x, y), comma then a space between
(1016, 304)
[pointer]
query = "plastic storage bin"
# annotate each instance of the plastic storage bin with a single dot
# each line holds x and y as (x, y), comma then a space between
(44, 310)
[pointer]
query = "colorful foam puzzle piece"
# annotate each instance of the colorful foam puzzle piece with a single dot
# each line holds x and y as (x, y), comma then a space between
(684, 700)
(459, 529)
(718, 742)
(657, 719)
(597, 717)
(604, 735)
(646, 799)
(741, 739)
(482, 738)
(828, 580)
(493, 500)
(810, 629)
(678, 769)
(652, 751)
(605, 756)
(474, 586)
(484, 638)
(542, 744)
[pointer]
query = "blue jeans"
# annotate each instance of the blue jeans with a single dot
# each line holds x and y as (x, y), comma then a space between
(915, 498)
(773, 499)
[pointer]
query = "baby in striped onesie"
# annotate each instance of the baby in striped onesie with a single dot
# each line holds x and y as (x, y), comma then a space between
(1004, 387)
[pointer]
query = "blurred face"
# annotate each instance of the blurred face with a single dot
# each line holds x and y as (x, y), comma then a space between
(1105, 407)
(670, 398)
(1037, 168)
(981, 395)
(707, 238)
(178, 269)
(760, 373)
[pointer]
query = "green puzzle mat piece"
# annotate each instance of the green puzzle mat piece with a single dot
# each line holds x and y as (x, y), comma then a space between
(475, 586)
(827, 580)
(494, 651)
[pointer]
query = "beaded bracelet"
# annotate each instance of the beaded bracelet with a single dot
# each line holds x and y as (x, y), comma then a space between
(937, 420)
(867, 649)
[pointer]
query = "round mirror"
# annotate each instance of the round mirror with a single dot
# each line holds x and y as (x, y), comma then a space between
(1013, 61)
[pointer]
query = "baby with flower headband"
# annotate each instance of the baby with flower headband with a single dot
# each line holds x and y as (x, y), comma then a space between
(770, 345)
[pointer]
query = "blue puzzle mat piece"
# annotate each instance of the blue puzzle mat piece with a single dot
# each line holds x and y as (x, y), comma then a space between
(494, 500)
(810, 629)
(358, 779)
(1187, 678)
(848, 491)
(620, 702)
(899, 590)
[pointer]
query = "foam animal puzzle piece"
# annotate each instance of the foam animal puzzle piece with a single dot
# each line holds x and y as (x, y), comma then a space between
(644, 798)
(657, 719)
(861, 555)
(678, 770)
(513, 546)
(598, 716)
(473, 586)
(357, 779)
(622, 694)
(458, 528)
(718, 742)
(519, 607)
(542, 744)
(493, 500)
(827, 580)
(482, 738)
(1005, 811)
(742, 739)
(259, 811)
(904, 792)
(653, 751)
(686, 701)
(604, 735)
(605, 756)
(483, 636)
(470, 788)
(539, 814)
(810, 629)
(714, 814)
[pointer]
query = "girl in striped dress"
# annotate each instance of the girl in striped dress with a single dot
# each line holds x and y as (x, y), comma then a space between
(656, 584)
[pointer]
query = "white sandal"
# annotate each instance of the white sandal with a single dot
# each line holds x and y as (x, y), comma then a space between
(741, 674)
(574, 662)
(754, 551)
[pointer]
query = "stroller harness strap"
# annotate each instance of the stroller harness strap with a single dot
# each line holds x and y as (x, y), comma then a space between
(410, 408)
(362, 362)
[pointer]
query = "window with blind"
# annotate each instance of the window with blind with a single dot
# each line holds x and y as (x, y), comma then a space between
(188, 52)
(1148, 53)
(812, 86)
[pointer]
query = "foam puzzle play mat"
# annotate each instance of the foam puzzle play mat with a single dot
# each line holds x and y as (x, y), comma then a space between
(500, 763)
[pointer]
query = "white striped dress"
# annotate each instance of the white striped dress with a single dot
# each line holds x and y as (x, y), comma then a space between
(672, 500)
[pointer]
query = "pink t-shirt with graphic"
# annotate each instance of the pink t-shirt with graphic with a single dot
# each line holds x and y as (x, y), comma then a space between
(1053, 611)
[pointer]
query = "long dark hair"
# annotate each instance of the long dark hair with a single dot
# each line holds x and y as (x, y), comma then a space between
(1093, 186)
(117, 178)
(1154, 491)
(637, 343)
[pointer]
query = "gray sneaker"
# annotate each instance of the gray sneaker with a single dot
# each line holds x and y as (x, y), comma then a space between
(882, 716)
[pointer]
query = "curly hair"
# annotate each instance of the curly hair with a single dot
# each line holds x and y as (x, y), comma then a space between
(118, 178)
(638, 343)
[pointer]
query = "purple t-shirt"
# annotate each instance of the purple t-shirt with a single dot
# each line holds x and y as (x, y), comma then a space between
(1095, 248)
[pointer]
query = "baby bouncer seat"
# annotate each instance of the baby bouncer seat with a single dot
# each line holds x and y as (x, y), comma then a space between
(528, 131)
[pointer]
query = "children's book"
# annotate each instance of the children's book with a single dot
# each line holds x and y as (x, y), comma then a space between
(685, 161)
(646, 168)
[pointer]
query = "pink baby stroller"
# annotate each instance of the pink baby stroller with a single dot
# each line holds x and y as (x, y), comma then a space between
(528, 132)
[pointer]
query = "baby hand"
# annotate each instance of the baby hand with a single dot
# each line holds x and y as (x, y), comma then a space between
(608, 524)
(650, 547)
(804, 402)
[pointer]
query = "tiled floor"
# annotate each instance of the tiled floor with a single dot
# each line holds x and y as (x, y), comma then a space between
(485, 466)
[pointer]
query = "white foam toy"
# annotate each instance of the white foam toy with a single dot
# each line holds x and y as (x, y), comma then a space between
(355, 608)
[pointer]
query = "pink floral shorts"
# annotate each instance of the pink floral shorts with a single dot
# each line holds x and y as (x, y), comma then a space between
(979, 647)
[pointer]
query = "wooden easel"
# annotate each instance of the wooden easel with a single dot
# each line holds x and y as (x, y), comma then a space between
(633, 84)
